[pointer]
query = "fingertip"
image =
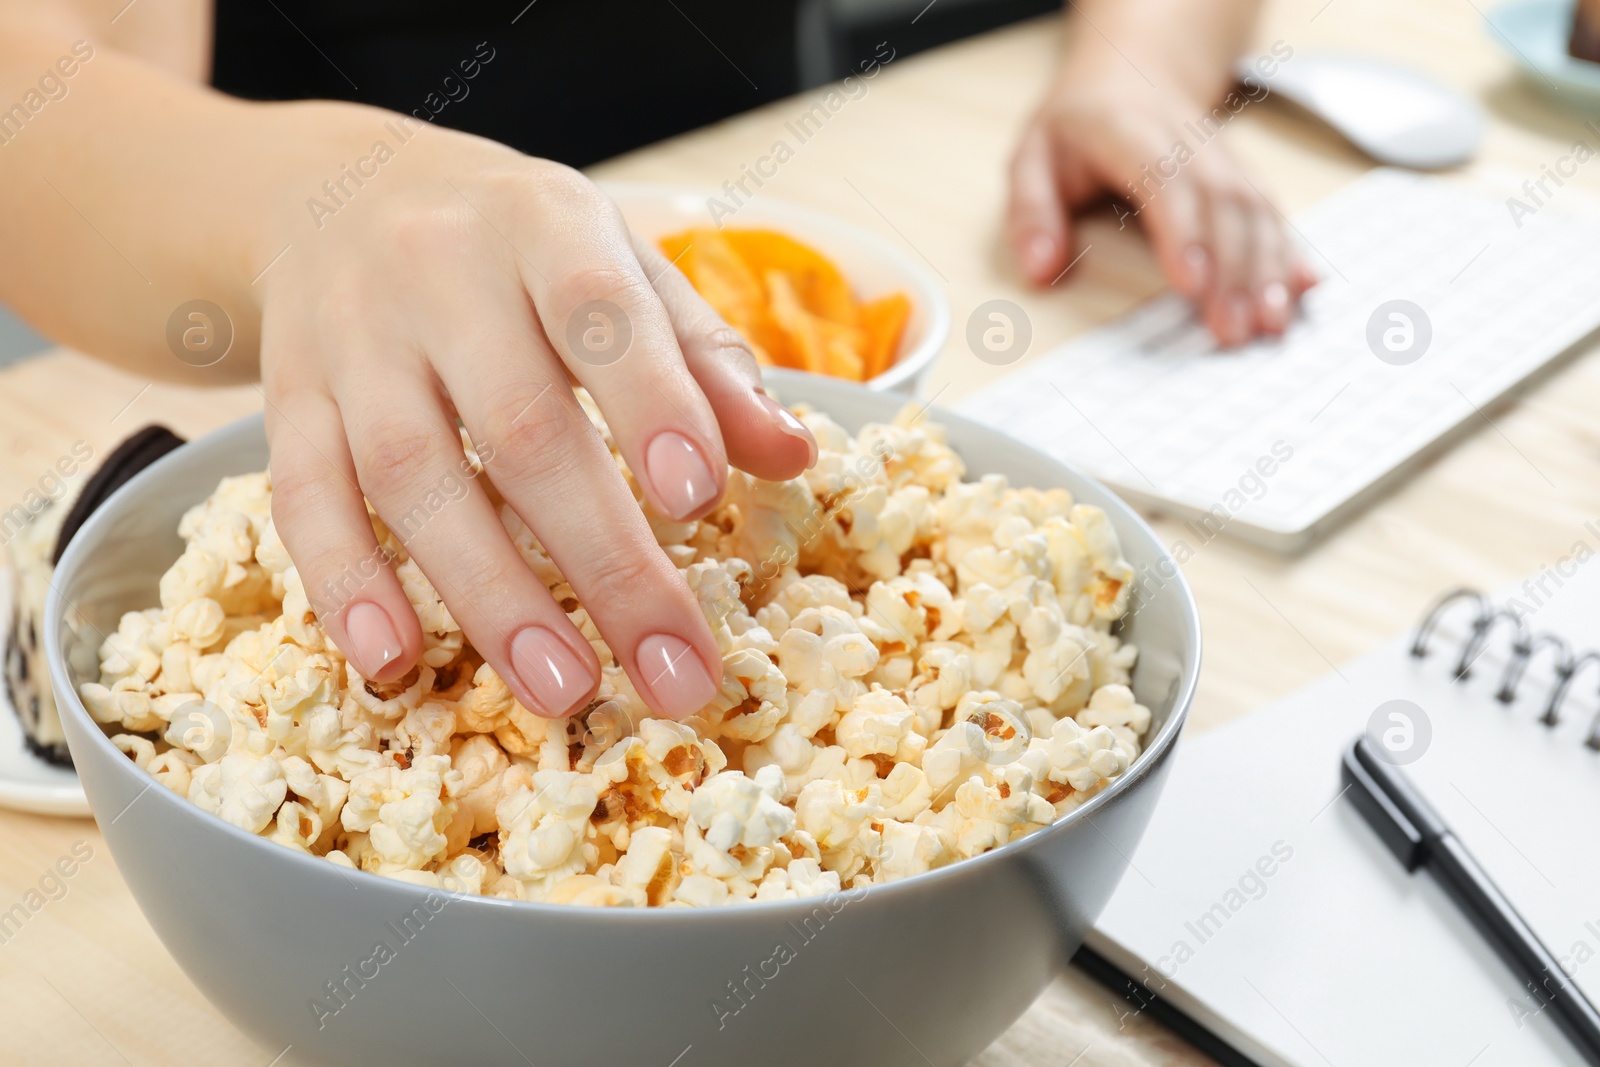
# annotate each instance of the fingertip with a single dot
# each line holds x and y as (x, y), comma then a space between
(379, 648)
(1035, 214)
(676, 680)
(1229, 317)
(1273, 308)
(1195, 271)
(549, 676)
(764, 438)
(1304, 277)
(1039, 255)
(1175, 224)
(786, 423)
(683, 479)
(760, 437)
(345, 575)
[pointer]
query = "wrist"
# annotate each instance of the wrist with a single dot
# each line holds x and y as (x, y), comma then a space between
(1181, 84)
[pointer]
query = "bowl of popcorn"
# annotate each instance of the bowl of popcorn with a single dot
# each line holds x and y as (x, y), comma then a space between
(944, 721)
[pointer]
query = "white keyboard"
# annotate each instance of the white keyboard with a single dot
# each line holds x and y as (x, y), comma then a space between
(1149, 404)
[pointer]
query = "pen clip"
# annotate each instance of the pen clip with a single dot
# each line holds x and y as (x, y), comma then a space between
(1392, 825)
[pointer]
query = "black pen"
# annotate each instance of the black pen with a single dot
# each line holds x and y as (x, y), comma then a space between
(1416, 835)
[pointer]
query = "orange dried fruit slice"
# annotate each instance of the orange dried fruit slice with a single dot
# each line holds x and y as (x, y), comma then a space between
(823, 291)
(883, 321)
(720, 276)
(790, 302)
(799, 326)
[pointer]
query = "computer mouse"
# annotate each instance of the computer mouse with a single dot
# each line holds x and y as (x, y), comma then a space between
(1392, 113)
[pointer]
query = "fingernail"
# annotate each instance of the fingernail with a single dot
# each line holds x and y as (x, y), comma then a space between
(785, 420)
(1197, 263)
(550, 671)
(682, 480)
(1039, 255)
(672, 672)
(1236, 319)
(1275, 306)
(373, 643)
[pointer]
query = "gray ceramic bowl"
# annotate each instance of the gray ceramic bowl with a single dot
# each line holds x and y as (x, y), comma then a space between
(928, 970)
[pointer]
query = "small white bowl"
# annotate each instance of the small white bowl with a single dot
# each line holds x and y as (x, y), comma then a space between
(873, 266)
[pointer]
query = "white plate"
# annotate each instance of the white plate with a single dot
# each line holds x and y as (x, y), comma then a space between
(28, 783)
(1534, 33)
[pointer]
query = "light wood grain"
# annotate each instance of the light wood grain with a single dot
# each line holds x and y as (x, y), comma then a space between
(920, 159)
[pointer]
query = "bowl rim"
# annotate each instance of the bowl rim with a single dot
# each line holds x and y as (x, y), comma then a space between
(937, 303)
(1156, 750)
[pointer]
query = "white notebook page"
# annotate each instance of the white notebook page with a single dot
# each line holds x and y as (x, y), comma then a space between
(1338, 958)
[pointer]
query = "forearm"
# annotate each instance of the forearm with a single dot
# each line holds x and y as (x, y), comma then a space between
(131, 189)
(1187, 45)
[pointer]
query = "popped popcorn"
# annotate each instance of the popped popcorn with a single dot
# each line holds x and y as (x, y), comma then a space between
(916, 669)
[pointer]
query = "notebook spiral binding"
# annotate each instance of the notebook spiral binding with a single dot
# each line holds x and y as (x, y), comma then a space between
(1525, 645)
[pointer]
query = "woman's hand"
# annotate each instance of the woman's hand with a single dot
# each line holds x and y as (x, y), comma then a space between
(1104, 130)
(462, 279)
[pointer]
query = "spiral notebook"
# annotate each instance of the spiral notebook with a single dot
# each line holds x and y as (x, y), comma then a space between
(1261, 905)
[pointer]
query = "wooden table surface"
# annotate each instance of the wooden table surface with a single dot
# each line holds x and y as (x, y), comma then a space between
(920, 159)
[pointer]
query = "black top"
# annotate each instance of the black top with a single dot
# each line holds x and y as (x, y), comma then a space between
(572, 80)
